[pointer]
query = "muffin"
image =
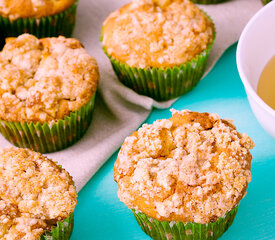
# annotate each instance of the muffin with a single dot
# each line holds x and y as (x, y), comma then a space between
(47, 92)
(158, 48)
(42, 18)
(208, 1)
(184, 177)
(37, 197)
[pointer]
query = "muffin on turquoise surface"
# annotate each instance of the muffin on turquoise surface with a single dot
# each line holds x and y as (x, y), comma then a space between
(184, 177)
(47, 92)
(43, 18)
(37, 197)
(158, 48)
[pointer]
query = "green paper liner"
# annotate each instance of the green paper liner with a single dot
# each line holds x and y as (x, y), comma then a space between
(266, 1)
(62, 231)
(184, 231)
(208, 1)
(49, 137)
(51, 26)
(159, 83)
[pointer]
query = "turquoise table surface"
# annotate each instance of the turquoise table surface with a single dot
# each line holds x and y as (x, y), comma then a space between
(100, 215)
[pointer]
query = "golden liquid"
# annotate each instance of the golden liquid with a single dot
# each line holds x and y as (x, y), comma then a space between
(266, 84)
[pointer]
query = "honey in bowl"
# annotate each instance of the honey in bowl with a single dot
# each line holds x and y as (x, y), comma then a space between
(266, 84)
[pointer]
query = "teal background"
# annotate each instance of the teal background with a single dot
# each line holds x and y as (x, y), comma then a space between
(100, 215)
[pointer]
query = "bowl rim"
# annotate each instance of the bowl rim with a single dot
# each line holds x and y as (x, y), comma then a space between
(241, 42)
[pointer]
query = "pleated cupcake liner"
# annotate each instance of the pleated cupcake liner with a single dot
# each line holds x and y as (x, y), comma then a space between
(165, 230)
(266, 1)
(208, 1)
(50, 26)
(163, 84)
(49, 137)
(62, 231)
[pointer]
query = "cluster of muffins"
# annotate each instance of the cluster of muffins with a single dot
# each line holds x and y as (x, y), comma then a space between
(47, 95)
(183, 177)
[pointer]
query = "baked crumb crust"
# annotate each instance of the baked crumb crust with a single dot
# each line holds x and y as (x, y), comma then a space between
(14, 9)
(193, 167)
(35, 193)
(44, 80)
(144, 33)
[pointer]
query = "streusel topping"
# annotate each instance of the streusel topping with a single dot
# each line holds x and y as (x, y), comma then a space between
(44, 80)
(35, 193)
(144, 33)
(193, 167)
(14, 9)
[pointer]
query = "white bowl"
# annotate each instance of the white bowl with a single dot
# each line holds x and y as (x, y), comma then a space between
(255, 48)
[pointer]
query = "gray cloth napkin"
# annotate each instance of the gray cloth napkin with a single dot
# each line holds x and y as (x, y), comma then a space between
(119, 111)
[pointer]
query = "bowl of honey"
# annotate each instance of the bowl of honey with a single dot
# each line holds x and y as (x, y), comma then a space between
(256, 65)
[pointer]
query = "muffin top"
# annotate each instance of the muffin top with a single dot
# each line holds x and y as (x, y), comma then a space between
(35, 193)
(144, 33)
(44, 80)
(14, 9)
(193, 167)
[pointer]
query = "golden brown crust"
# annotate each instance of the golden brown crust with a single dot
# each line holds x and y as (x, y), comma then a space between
(142, 34)
(193, 167)
(15, 9)
(44, 80)
(35, 193)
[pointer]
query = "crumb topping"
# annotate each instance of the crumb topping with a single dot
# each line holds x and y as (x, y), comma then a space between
(35, 193)
(44, 80)
(193, 167)
(14, 9)
(150, 33)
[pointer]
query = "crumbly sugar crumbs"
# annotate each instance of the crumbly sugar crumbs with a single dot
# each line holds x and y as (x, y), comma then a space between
(193, 167)
(35, 193)
(44, 80)
(144, 33)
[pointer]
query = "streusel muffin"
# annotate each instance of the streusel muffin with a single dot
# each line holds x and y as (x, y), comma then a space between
(43, 18)
(158, 48)
(47, 91)
(184, 177)
(37, 197)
